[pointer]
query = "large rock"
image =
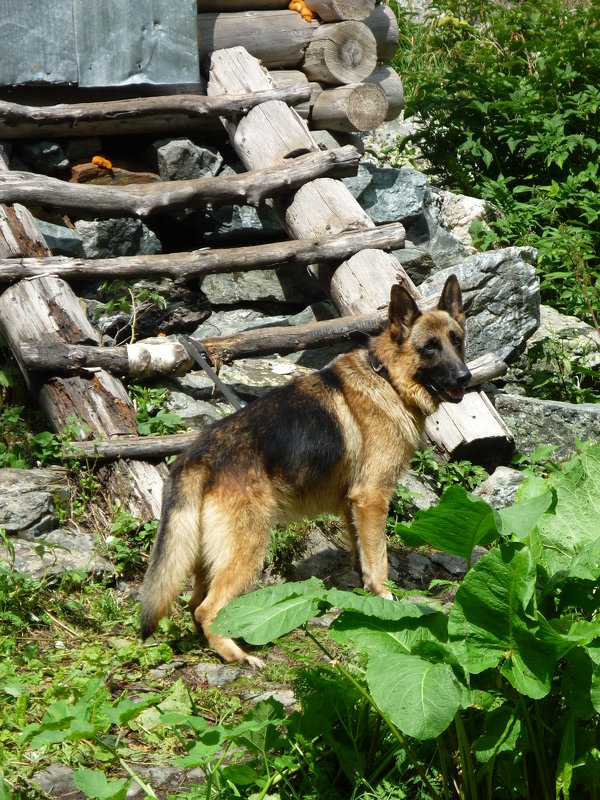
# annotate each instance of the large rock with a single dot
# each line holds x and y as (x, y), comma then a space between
(388, 194)
(53, 553)
(501, 298)
(30, 499)
(46, 157)
(180, 159)
(121, 236)
(534, 422)
(289, 285)
(61, 240)
(428, 248)
(457, 212)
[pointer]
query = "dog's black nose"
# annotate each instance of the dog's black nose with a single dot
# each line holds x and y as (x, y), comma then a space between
(463, 375)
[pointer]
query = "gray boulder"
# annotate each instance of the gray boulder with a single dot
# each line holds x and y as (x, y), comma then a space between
(500, 488)
(534, 422)
(30, 499)
(105, 238)
(290, 285)
(180, 159)
(46, 157)
(56, 552)
(388, 194)
(61, 240)
(501, 298)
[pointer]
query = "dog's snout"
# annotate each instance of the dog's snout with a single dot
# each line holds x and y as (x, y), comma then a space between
(463, 375)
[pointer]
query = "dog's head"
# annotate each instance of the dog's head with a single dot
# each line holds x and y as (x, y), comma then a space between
(432, 343)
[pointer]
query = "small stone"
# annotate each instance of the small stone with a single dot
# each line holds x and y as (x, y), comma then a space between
(500, 488)
(46, 157)
(121, 236)
(419, 566)
(218, 674)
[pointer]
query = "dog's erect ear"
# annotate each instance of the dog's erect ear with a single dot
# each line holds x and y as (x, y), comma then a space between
(402, 312)
(451, 300)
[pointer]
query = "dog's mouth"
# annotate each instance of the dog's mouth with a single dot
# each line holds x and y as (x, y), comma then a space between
(451, 394)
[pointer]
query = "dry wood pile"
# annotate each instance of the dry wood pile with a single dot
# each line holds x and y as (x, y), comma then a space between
(59, 350)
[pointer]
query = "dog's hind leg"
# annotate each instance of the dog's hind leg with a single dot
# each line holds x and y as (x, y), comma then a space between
(234, 555)
(366, 517)
(200, 587)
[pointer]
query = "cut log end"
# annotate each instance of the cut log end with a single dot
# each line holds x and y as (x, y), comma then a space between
(359, 107)
(341, 53)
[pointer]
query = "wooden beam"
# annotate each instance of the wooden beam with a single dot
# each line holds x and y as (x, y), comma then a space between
(135, 115)
(147, 199)
(300, 252)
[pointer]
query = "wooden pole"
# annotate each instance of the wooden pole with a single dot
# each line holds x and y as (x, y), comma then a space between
(356, 107)
(147, 199)
(182, 266)
(136, 115)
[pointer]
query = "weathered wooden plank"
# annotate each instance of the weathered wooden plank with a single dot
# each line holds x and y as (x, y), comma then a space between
(147, 199)
(300, 252)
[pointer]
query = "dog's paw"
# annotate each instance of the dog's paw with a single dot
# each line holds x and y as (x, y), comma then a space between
(253, 662)
(387, 595)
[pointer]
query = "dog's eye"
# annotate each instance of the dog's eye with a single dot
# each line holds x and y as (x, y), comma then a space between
(456, 340)
(431, 347)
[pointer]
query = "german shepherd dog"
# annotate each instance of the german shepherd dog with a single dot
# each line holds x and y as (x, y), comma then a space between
(334, 441)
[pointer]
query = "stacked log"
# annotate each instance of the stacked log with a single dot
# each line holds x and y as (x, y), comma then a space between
(341, 47)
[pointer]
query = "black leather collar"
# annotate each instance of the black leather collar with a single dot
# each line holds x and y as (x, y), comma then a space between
(378, 367)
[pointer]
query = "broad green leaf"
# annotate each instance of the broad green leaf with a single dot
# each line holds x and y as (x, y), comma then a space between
(207, 745)
(125, 709)
(575, 523)
(586, 565)
(456, 525)
(94, 783)
(373, 634)
(264, 615)
(502, 729)
(566, 757)
(492, 621)
(419, 697)
(594, 653)
(576, 682)
(374, 606)
(240, 774)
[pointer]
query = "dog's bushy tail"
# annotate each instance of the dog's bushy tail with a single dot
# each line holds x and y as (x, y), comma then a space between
(175, 552)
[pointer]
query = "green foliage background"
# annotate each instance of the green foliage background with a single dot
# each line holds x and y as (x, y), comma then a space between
(509, 95)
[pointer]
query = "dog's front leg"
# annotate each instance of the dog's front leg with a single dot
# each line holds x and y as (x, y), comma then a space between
(365, 517)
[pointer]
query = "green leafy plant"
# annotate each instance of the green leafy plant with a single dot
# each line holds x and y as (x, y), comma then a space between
(129, 540)
(132, 301)
(152, 418)
(450, 473)
(507, 682)
(558, 376)
(509, 99)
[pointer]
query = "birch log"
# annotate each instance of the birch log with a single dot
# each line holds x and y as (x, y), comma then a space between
(280, 38)
(390, 83)
(363, 282)
(334, 10)
(147, 199)
(383, 25)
